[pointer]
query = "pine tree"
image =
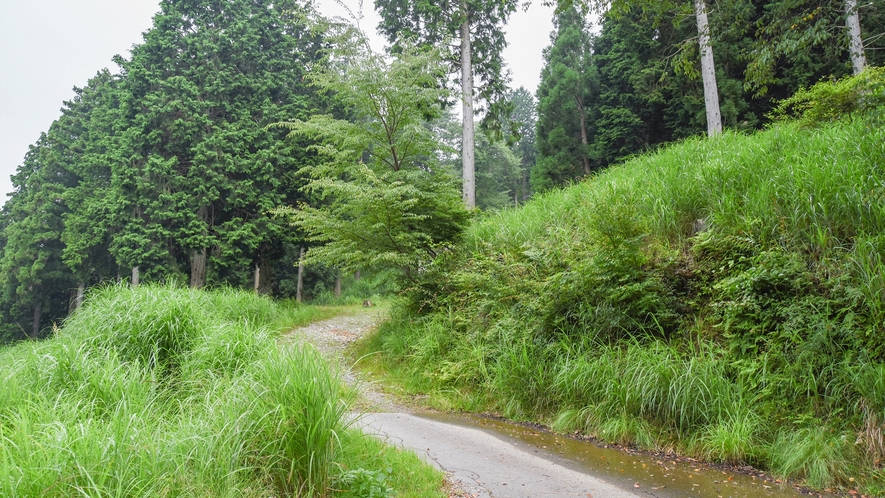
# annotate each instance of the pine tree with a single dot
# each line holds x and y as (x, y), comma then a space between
(204, 171)
(525, 116)
(568, 84)
(33, 279)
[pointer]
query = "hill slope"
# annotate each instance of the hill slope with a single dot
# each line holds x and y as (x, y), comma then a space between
(724, 297)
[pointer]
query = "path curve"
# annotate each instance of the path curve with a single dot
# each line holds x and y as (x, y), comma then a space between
(477, 464)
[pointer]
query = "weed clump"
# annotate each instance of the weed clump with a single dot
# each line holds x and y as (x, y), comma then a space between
(163, 391)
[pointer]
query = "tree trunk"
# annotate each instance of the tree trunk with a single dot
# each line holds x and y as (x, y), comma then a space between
(300, 284)
(852, 22)
(264, 272)
(257, 277)
(468, 129)
(525, 185)
(584, 140)
(357, 275)
(338, 286)
(78, 297)
(35, 325)
(136, 276)
(198, 268)
(708, 70)
(81, 294)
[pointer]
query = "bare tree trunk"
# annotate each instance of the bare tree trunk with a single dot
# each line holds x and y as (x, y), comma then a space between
(708, 70)
(264, 272)
(35, 325)
(338, 286)
(198, 268)
(468, 128)
(81, 294)
(78, 297)
(136, 276)
(525, 186)
(852, 22)
(199, 256)
(300, 284)
(257, 277)
(584, 140)
(357, 275)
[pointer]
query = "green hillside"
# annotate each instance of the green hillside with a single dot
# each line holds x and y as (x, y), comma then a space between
(724, 297)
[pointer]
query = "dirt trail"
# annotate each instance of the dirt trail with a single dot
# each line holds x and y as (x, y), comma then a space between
(476, 463)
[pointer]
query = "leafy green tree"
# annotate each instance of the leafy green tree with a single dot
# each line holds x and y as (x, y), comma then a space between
(477, 25)
(203, 169)
(388, 203)
(568, 84)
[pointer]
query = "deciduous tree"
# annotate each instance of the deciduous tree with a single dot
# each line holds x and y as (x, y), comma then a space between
(388, 203)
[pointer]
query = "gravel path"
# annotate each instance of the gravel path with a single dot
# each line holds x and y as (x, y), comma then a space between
(331, 337)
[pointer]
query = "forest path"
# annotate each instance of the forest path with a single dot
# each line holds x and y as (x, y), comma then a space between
(476, 462)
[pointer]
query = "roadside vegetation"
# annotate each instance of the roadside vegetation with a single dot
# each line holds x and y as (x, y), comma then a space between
(163, 391)
(723, 298)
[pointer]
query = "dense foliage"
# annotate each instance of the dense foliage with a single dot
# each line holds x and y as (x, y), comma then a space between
(389, 202)
(161, 391)
(643, 72)
(724, 297)
(166, 170)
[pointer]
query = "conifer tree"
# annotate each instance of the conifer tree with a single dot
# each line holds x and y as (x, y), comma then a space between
(568, 83)
(33, 279)
(204, 170)
(525, 117)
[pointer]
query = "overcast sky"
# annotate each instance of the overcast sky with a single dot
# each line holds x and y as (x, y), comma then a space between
(49, 46)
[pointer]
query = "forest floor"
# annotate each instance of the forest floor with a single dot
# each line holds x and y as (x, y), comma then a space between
(476, 464)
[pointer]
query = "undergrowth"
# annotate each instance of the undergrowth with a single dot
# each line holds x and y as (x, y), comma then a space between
(724, 297)
(162, 391)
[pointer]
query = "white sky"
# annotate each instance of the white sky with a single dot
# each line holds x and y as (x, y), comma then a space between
(49, 46)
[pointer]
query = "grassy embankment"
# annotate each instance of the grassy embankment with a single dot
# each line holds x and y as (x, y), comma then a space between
(723, 298)
(158, 391)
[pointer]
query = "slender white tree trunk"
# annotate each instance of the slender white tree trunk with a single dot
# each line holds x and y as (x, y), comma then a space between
(584, 142)
(81, 293)
(852, 22)
(468, 128)
(300, 283)
(257, 277)
(708, 70)
(136, 276)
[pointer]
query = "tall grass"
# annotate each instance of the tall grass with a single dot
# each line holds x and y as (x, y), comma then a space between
(161, 391)
(716, 296)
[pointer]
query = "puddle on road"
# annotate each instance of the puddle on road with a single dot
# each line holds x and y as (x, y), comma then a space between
(655, 476)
